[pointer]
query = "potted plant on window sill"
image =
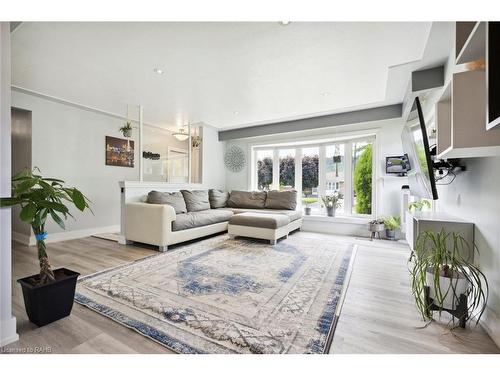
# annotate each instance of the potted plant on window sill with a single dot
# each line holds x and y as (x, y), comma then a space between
(48, 296)
(391, 224)
(332, 202)
(443, 278)
(307, 202)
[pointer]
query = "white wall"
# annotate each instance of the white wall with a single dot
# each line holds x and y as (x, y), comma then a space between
(388, 187)
(69, 143)
(7, 321)
(21, 158)
(475, 196)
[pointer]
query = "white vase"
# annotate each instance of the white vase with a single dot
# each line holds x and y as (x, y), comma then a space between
(451, 288)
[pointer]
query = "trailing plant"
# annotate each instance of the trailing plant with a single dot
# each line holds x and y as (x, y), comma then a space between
(126, 129)
(442, 255)
(392, 222)
(332, 200)
(39, 198)
(419, 205)
(376, 221)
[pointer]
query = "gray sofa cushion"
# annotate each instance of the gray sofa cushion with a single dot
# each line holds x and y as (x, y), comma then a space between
(175, 199)
(218, 198)
(281, 200)
(196, 200)
(199, 219)
(260, 220)
(247, 199)
(292, 214)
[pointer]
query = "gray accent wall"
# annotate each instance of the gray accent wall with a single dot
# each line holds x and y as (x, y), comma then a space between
(318, 122)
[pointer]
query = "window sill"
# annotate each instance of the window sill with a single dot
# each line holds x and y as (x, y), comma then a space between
(338, 219)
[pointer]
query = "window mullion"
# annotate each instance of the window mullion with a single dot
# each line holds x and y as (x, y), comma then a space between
(298, 174)
(276, 170)
(348, 192)
(322, 171)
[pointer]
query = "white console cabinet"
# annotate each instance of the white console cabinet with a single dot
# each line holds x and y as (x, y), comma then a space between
(418, 222)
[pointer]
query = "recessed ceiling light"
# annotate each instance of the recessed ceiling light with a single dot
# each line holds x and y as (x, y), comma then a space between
(326, 93)
(158, 70)
(236, 113)
(285, 23)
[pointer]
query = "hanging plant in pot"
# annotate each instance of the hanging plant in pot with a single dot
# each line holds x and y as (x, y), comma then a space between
(444, 277)
(48, 296)
(332, 202)
(126, 129)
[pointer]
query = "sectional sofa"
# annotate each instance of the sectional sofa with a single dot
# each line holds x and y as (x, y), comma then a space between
(167, 218)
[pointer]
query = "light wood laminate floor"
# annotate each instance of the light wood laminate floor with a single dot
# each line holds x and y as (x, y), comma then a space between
(378, 315)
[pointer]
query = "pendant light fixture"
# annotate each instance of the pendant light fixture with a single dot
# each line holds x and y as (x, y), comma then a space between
(181, 135)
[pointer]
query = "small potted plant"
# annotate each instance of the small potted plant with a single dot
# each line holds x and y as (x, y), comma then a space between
(419, 205)
(442, 273)
(376, 226)
(126, 129)
(332, 202)
(307, 202)
(48, 296)
(391, 224)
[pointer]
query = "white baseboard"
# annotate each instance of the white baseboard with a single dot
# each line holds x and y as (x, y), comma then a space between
(65, 236)
(491, 324)
(23, 238)
(8, 333)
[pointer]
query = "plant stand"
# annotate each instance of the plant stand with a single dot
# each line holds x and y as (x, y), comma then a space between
(460, 312)
(375, 234)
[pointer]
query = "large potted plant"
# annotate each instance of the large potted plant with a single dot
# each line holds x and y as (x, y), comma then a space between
(48, 295)
(444, 277)
(332, 202)
(391, 224)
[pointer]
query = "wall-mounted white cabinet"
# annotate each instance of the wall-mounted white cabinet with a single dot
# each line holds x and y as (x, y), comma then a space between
(461, 119)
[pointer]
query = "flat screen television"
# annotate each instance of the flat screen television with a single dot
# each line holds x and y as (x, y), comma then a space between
(493, 74)
(416, 146)
(397, 165)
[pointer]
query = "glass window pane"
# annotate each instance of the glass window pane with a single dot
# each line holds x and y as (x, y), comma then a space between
(310, 177)
(334, 165)
(287, 169)
(264, 169)
(165, 158)
(362, 177)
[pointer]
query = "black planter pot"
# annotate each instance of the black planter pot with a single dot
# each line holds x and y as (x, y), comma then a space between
(50, 302)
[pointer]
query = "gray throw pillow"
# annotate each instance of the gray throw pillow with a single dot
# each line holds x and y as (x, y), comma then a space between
(282, 200)
(218, 198)
(175, 199)
(196, 200)
(247, 199)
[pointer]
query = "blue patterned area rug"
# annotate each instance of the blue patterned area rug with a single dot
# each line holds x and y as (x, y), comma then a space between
(224, 295)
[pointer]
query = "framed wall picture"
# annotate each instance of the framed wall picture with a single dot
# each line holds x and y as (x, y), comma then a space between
(119, 152)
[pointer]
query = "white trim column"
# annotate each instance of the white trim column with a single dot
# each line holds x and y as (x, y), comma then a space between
(348, 173)
(276, 170)
(7, 321)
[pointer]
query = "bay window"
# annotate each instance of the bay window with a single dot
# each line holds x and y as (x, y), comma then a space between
(316, 169)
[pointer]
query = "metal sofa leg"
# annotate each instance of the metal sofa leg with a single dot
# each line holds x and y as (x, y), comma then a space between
(163, 248)
(272, 242)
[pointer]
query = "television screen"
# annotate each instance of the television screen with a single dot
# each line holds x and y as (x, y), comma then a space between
(416, 147)
(493, 73)
(397, 164)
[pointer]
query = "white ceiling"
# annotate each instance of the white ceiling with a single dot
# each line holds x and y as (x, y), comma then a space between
(223, 74)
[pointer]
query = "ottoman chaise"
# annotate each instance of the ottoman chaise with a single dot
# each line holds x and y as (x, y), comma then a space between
(266, 226)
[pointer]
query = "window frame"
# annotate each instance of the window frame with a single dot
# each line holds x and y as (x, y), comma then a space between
(298, 146)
